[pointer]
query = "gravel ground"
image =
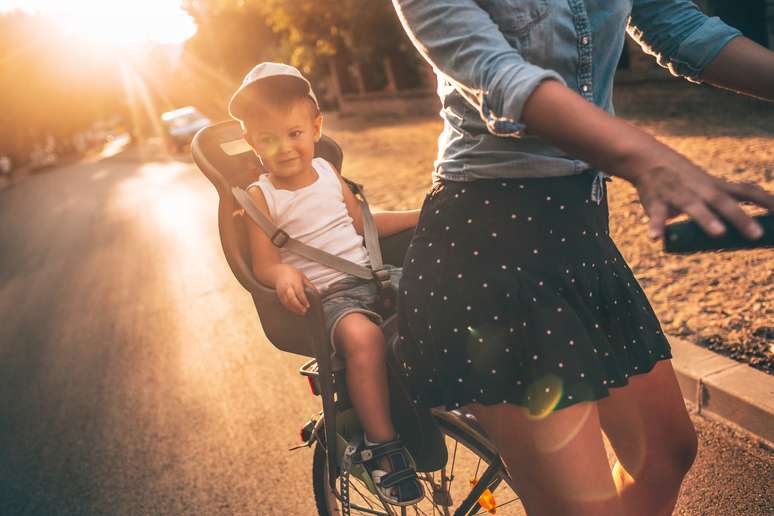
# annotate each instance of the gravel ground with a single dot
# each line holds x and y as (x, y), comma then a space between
(722, 301)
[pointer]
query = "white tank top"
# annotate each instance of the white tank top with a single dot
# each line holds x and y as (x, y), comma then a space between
(317, 216)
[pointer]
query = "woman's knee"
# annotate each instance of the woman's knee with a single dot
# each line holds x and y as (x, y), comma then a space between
(672, 459)
(683, 450)
(653, 436)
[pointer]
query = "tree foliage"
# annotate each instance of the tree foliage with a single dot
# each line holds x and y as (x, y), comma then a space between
(52, 83)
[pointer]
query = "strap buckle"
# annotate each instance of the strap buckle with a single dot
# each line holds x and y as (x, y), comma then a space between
(382, 277)
(387, 293)
(279, 238)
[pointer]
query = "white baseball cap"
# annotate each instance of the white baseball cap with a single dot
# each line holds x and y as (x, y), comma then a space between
(240, 101)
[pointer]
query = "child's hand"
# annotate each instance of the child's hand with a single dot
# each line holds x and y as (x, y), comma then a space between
(289, 284)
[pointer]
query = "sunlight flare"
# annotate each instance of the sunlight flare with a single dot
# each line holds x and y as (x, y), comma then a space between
(112, 22)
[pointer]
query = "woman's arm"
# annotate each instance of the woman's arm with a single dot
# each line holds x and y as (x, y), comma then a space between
(460, 40)
(681, 37)
(667, 182)
(391, 222)
(745, 67)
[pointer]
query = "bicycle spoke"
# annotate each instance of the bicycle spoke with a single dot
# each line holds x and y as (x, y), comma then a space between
(454, 460)
(431, 487)
(418, 511)
(354, 486)
(475, 475)
(498, 506)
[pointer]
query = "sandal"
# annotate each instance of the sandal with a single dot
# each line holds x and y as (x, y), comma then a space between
(400, 486)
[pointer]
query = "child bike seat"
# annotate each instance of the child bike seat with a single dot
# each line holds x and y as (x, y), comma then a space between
(227, 161)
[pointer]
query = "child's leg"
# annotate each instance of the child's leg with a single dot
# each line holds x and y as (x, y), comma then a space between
(362, 344)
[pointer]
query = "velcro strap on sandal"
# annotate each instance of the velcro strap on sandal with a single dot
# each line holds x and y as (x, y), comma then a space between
(396, 477)
(374, 452)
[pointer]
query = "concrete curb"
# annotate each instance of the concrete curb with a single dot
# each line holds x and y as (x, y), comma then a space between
(725, 389)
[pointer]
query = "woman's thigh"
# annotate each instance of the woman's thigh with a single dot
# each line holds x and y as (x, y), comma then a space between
(558, 463)
(648, 425)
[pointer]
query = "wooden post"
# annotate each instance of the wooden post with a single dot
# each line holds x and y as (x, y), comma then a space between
(391, 84)
(335, 84)
(357, 72)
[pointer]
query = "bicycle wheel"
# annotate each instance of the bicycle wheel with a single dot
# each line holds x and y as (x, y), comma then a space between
(472, 461)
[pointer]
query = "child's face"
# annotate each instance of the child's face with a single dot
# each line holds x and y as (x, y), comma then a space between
(285, 140)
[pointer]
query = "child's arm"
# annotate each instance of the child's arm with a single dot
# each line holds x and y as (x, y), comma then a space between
(268, 269)
(387, 222)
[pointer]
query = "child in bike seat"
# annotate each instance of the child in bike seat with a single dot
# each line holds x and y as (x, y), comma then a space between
(305, 197)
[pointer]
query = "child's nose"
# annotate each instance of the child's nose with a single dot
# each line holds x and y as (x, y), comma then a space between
(285, 145)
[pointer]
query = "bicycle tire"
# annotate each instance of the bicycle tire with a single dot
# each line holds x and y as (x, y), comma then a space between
(461, 432)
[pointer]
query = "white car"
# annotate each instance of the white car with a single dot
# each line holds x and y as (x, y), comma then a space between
(182, 124)
(6, 165)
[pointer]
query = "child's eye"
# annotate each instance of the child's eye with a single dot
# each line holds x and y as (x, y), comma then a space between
(266, 140)
(295, 134)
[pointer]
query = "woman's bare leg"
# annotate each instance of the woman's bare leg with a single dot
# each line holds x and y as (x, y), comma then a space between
(558, 463)
(653, 437)
(362, 344)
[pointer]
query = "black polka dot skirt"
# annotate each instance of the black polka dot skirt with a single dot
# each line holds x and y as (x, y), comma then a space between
(514, 292)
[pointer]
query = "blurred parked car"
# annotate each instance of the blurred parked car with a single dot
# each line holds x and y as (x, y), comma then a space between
(182, 124)
(6, 165)
(41, 159)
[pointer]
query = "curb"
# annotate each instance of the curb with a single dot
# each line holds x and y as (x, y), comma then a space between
(725, 389)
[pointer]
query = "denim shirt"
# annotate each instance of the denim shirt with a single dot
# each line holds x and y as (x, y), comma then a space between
(489, 55)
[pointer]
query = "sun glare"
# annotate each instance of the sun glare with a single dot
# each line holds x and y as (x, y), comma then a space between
(121, 23)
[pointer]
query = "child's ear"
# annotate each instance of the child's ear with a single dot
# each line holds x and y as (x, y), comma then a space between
(318, 123)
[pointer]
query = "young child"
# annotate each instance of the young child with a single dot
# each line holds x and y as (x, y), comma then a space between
(306, 197)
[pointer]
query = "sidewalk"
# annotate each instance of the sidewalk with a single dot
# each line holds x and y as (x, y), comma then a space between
(725, 389)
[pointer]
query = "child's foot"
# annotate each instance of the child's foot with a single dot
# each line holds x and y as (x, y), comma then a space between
(393, 472)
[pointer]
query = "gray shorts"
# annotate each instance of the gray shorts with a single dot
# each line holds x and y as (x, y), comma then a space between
(356, 296)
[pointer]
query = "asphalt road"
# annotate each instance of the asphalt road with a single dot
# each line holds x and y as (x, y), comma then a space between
(134, 376)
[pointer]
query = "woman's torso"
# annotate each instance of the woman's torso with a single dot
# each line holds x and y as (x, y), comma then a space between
(317, 216)
(582, 40)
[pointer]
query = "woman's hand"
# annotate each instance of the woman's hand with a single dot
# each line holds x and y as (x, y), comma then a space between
(670, 184)
(289, 283)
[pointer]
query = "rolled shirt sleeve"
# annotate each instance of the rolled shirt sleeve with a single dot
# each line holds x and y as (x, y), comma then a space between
(682, 38)
(462, 43)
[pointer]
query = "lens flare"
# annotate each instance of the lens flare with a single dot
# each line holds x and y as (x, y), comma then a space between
(543, 395)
